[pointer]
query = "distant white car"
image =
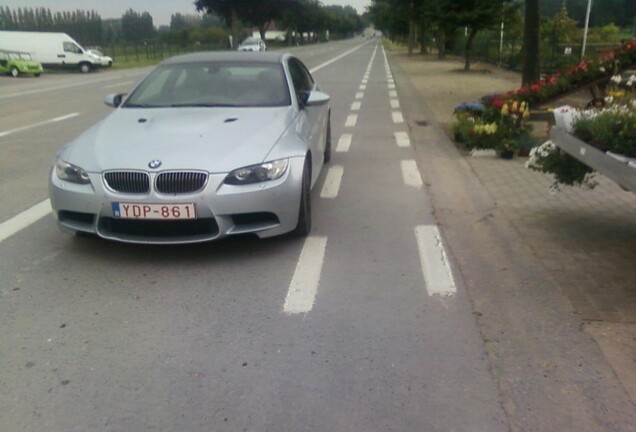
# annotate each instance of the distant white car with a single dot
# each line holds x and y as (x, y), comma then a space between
(252, 44)
(100, 58)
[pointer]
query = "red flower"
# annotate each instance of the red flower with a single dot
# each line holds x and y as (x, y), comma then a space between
(497, 102)
(535, 87)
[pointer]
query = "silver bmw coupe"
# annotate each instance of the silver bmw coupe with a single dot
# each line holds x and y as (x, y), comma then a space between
(207, 146)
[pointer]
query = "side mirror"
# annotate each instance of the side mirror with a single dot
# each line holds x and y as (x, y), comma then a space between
(317, 98)
(114, 99)
(312, 98)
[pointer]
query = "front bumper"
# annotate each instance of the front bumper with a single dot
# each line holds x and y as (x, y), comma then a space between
(266, 209)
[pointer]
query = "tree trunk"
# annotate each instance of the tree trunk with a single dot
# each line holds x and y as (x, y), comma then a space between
(530, 64)
(441, 43)
(469, 48)
(412, 33)
(262, 30)
(422, 37)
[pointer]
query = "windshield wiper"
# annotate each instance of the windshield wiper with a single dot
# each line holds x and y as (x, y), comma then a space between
(133, 105)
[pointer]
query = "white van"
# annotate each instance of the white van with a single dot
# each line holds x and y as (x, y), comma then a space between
(50, 49)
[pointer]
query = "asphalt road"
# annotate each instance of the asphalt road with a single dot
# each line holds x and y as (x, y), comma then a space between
(105, 336)
(367, 325)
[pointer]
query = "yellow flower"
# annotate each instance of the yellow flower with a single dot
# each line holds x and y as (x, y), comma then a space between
(504, 110)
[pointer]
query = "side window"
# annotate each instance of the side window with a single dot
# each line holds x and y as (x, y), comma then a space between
(71, 47)
(300, 76)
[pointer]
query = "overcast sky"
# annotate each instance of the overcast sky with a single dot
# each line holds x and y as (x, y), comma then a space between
(159, 9)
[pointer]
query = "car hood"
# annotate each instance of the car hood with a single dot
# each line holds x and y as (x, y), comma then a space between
(210, 139)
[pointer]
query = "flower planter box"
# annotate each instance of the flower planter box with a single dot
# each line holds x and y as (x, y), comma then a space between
(621, 172)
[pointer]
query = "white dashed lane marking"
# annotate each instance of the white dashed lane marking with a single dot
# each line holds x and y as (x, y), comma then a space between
(344, 143)
(410, 174)
(438, 275)
(352, 119)
(402, 139)
(395, 104)
(331, 187)
(397, 117)
(301, 294)
(355, 106)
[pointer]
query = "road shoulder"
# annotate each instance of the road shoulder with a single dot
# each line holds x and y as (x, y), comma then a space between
(551, 374)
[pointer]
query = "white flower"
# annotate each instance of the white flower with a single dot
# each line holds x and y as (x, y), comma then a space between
(602, 69)
(616, 79)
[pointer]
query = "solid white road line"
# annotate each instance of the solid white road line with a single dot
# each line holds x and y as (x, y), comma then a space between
(395, 104)
(402, 139)
(304, 284)
(332, 182)
(397, 117)
(355, 106)
(24, 219)
(352, 119)
(344, 143)
(54, 120)
(410, 174)
(119, 84)
(438, 275)
(335, 59)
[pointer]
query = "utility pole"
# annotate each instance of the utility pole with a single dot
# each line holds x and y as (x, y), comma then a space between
(587, 22)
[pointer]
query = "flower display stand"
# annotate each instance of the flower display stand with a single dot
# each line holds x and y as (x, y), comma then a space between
(618, 169)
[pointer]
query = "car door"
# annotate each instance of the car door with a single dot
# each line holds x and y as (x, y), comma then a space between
(311, 125)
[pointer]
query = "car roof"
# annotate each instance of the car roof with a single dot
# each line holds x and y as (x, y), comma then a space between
(228, 56)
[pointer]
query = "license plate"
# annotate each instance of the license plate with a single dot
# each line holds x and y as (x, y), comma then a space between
(153, 211)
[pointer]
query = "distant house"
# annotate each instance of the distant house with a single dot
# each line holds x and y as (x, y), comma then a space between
(272, 33)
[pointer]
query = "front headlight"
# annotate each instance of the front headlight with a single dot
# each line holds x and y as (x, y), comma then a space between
(71, 173)
(258, 173)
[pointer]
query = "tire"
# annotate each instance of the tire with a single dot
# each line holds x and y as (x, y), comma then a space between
(303, 227)
(328, 140)
(15, 72)
(84, 68)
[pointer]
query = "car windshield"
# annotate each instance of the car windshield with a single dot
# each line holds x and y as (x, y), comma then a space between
(97, 52)
(212, 84)
(250, 42)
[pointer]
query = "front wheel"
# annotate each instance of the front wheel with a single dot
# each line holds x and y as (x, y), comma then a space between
(84, 68)
(328, 141)
(15, 72)
(303, 227)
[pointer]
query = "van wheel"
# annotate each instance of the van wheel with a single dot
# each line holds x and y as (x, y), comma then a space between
(15, 72)
(84, 68)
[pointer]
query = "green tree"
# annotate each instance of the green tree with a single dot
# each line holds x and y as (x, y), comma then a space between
(475, 16)
(259, 13)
